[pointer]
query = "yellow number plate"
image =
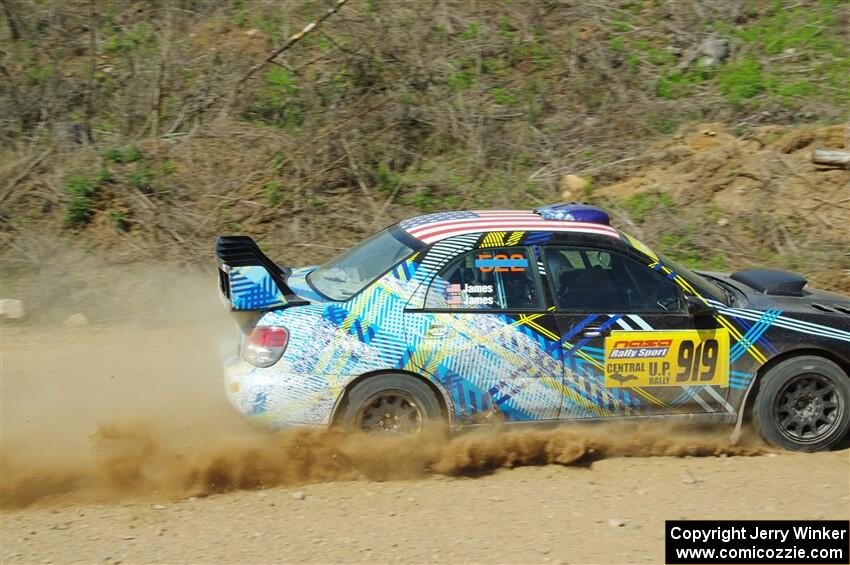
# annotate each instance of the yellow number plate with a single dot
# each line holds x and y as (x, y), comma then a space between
(667, 358)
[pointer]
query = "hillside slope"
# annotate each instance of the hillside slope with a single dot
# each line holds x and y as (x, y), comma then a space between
(127, 127)
(709, 198)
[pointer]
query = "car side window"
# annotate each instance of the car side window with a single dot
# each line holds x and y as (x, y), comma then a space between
(486, 279)
(587, 279)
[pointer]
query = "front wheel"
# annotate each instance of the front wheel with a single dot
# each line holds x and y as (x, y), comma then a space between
(392, 404)
(804, 404)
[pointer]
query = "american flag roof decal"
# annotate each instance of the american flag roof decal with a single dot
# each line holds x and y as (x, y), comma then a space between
(434, 227)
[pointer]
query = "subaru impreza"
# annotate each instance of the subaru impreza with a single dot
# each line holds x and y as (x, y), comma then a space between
(470, 318)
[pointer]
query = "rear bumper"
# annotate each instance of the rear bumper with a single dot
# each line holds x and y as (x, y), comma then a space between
(273, 399)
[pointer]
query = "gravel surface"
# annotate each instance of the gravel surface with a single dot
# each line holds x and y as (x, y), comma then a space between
(610, 512)
(59, 388)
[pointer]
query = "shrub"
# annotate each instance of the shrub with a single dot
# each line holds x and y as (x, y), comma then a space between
(122, 223)
(638, 205)
(273, 192)
(278, 103)
(741, 80)
(81, 191)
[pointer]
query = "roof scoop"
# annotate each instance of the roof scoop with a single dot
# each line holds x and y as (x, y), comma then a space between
(769, 281)
(574, 212)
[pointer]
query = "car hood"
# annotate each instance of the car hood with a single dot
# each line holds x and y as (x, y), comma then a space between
(808, 300)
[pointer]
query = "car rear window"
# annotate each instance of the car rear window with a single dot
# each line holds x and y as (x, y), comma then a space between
(352, 270)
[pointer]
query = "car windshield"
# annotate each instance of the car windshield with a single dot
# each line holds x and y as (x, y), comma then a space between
(705, 288)
(349, 272)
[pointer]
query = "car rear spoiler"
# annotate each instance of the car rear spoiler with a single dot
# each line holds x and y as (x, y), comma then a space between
(248, 279)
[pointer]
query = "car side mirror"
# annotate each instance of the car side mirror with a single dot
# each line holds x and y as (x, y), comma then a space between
(697, 308)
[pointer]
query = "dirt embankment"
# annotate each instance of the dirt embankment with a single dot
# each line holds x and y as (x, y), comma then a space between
(722, 201)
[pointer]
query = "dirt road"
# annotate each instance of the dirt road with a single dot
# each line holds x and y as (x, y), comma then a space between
(117, 439)
(610, 512)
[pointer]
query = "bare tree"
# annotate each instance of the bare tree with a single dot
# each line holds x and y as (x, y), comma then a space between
(293, 39)
(89, 111)
(10, 20)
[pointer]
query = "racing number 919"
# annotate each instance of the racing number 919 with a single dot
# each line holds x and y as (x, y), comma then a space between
(697, 363)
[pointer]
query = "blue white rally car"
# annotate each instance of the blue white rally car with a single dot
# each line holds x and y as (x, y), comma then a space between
(476, 317)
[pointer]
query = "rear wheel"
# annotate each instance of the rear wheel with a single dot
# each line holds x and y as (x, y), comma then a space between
(391, 404)
(804, 404)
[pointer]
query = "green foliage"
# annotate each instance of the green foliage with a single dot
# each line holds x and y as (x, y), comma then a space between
(471, 141)
(664, 124)
(617, 44)
(140, 35)
(103, 175)
(273, 192)
(133, 154)
(502, 96)
(539, 53)
(462, 80)
(640, 204)
(620, 25)
(142, 178)
(278, 103)
(681, 84)
(240, 19)
(114, 154)
(117, 155)
(507, 29)
(471, 31)
(792, 91)
(533, 98)
(281, 82)
(426, 200)
(800, 27)
(803, 36)
(494, 66)
(660, 57)
(39, 74)
(271, 21)
(386, 179)
(120, 220)
(633, 7)
(681, 247)
(741, 80)
(81, 191)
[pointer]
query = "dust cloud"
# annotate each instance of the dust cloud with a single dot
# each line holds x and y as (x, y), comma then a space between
(134, 462)
(131, 407)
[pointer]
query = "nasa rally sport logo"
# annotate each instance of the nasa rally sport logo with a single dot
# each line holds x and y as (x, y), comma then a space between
(640, 348)
(667, 358)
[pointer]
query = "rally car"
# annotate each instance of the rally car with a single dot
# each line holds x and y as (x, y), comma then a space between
(475, 317)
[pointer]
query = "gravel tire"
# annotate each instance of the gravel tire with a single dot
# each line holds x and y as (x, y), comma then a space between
(803, 404)
(392, 404)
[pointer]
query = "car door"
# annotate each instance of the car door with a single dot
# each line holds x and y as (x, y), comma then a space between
(630, 345)
(484, 333)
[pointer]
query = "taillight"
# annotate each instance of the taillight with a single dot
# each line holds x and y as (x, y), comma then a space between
(265, 345)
